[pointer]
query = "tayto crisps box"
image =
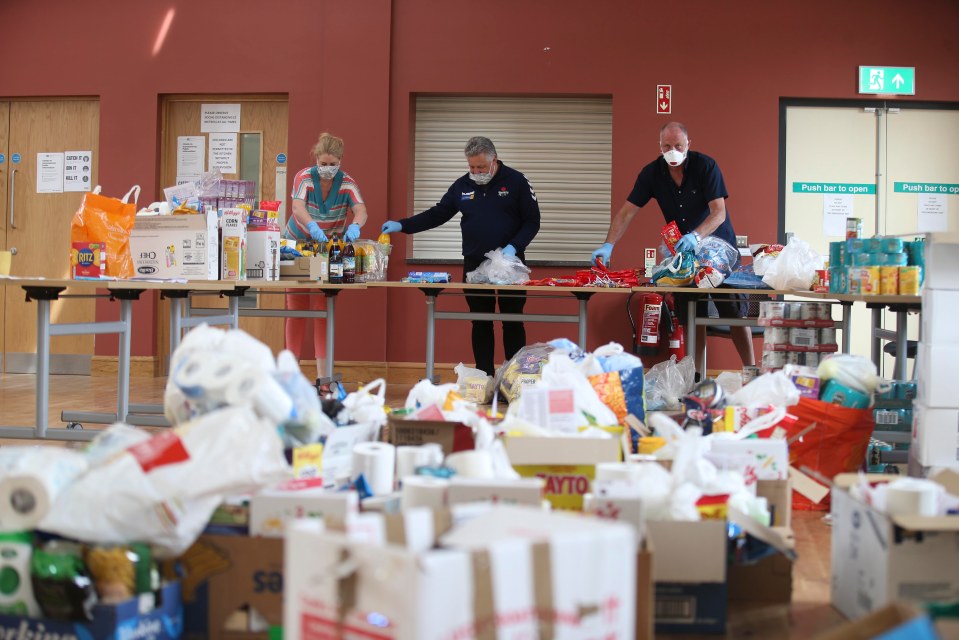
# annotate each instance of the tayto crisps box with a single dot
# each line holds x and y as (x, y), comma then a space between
(122, 621)
(567, 465)
(175, 247)
(226, 574)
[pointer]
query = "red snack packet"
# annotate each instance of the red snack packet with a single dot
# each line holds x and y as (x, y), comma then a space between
(671, 235)
(270, 205)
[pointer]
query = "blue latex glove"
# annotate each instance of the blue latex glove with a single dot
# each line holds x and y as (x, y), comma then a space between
(603, 254)
(289, 252)
(315, 232)
(509, 250)
(391, 226)
(352, 232)
(688, 243)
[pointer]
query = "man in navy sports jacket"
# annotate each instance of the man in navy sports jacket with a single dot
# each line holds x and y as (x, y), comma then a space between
(499, 211)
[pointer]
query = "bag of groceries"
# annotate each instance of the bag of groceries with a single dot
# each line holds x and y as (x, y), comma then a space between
(107, 222)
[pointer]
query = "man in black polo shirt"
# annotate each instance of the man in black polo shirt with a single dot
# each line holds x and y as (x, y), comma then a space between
(499, 211)
(690, 190)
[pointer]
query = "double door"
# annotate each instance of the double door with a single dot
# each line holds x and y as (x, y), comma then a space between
(35, 226)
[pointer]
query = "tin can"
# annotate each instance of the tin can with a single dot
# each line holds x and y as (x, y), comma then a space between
(853, 228)
(750, 373)
(812, 359)
(825, 310)
(795, 358)
(800, 337)
(773, 310)
(774, 360)
(822, 280)
(827, 335)
(794, 310)
(909, 279)
(889, 280)
(809, 311)
(775, 336)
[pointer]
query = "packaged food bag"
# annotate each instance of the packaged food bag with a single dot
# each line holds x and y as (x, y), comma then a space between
(524, 369)
(108, 222)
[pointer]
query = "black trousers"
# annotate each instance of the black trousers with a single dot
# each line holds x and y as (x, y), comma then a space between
(514, 333)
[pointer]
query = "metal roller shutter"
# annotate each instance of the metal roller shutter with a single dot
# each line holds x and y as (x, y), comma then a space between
(562, 145)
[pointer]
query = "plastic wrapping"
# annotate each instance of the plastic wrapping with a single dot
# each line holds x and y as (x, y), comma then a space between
(770, 388)
(523, 369)
(855, 372)
(717, 253)
(669, 381)
(795, 268)
(474, 384)
(676, 271)
(499, 269)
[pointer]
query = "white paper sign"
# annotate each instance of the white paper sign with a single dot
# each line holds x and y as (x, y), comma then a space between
(77, 170)
(222, 118)
(279, 192)
(835, 210)
(223, 152)
(933, 212)
(190, 154)
(49, 173)
(187, 178)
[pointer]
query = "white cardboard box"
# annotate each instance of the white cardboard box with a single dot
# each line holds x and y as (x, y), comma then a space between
(176, 247)
(942, 265)
(938, 373)
(525, 491)
(878, 559)
(940, 310)
(272, 509)
(496, 575)
(263, 246)
(935, 436)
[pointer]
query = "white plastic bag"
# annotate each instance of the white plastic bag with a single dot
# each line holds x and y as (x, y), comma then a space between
(474, 384)
(364, 406)
(668, 381)
(855, 372)
(795, 268)
(561, 372)
(773, 388)
(499, 269)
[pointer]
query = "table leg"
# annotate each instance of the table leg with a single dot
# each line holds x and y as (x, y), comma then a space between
(330, 329)
(876, 341)
(176, 326)
(430, 331)
(902, 343)
(43, 368)
(846, 323)
(123, 364)
(691, 335)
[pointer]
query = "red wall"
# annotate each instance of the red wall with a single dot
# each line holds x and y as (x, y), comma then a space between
(353, 67)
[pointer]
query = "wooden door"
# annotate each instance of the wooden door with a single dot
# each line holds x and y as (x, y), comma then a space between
(266, 115)
(38, 228)
(4, 166)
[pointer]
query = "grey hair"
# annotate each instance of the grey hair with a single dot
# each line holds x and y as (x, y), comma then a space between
(673, 125)
(477, 145)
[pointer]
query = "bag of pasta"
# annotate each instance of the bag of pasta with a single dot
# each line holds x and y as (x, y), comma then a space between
(107, 222)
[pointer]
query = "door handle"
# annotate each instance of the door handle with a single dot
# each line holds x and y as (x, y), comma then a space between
(13, 195)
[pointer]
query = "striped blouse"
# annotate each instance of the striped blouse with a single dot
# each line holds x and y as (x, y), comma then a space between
(331, 215)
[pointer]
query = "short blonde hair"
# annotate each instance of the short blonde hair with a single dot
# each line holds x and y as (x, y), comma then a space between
(328, 143)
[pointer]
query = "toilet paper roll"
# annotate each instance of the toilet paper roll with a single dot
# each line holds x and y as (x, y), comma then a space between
(912, 497)
(409, 458)
(617, 472)
(424, 491)
(471, 464)
(376, 462)
(31, 478)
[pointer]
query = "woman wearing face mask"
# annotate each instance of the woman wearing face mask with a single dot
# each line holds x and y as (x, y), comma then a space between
(323, 197)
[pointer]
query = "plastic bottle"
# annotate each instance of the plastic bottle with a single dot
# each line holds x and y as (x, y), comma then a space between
(336, 261)
(360, 261)
(349, 264)
(324, 264)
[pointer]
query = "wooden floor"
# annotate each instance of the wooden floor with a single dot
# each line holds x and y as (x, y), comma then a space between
(809, 614)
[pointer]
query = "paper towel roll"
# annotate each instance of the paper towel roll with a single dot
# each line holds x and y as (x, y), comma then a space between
(409, 458)
(424, 491)
(376, 461)
(617, 472)
(31, 478)
(912, 497)
(471, 464)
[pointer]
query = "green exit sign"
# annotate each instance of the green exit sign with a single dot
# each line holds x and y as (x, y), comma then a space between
(888, 80)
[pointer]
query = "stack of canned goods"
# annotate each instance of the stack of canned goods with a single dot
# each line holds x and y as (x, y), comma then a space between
(796, 333)
(868, 266)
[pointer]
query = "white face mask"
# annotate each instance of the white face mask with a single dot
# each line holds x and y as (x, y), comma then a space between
(328, 172)
(484, 178)
(674, 158)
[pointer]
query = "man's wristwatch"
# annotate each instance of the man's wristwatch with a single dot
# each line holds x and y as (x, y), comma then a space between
(699, 238)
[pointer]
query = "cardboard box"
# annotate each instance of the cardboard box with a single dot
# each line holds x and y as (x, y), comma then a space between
(567, 465)
(452, 436)
(234, 243)
(121, 621)
(263, 246)
(176, 247)
(273, 509)
(938, 371)
(935, 436)
(524, 491)
(940, 308)
(896, 621)
(942, 266)
(877, 559)
(511, 571)
(226, 573)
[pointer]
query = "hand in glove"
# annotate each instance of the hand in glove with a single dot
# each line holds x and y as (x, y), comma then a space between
(602, 255)
(315, 232)
(352, 232)
(391, 226)
(688, 243)
(509, 250)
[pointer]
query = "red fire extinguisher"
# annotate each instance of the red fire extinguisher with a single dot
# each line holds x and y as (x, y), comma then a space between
(649, 336)
(677, 333)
